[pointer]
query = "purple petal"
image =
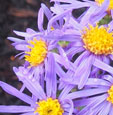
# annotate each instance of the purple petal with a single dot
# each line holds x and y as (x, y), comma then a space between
(47, 12)
(111, 111)
(97, 18)
(30, 31)
(13, 91)
(84, 101)
(83, 56)
(73, 31)
(70, 1)
(111, 57)
(71, 107)
(60, 71)
(112, 13)
(20, 54)
(23, 34)
(101, 65)
(86, 72)
(93, 104)
(74, 50)
(22, 88)
(67, 105)
(97, 108)
(63, 55)
(111, 27)
(65, 37)
(57, 8)
(76, 25)
(50, 75)
(22, 47)
(57, 17)
(65, 91)
(76, 5)
(102, 9)
(40, 19)
(62, 85)
(31, 83)
(108, 78)
(15, 39)
(61, 60)
(15, 109)
(96, 81)
(85, 93)
(104, 111)
(87, 16)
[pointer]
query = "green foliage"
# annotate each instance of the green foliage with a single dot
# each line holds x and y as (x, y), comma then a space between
(105, 20)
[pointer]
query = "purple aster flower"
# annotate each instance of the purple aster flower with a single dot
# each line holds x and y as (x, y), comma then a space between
(94, 43)
(101, 97)
(37, 46)
(44, 100)
(97, 95)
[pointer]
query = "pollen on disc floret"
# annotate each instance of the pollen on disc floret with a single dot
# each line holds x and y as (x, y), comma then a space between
(49, 107)
(110, 93)
(98, 40)
(37, 53)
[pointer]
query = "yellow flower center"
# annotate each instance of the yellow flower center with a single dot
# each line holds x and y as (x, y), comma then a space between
(110, 93)
(49, 107)
(99, 2)
(52, 28)
(98, 40)
(37, 53)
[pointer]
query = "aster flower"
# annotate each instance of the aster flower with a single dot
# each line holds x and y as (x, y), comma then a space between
(97, 95)
(92, 42)
(37, 46)
(96, 44)
(44, 101)
(100, 102)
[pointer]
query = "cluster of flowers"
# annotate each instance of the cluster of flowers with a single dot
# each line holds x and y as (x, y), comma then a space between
(73, 80)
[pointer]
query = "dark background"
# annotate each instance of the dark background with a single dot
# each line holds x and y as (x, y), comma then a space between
(15, 15)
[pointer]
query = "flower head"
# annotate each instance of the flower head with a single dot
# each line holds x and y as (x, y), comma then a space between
(97, 93)
(37, 53)
(98, 40)
(92, 42)
(49, 107)
(38, 46)
(42, 102)
(103, 96)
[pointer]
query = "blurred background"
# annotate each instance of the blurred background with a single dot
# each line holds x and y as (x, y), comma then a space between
(16, 15)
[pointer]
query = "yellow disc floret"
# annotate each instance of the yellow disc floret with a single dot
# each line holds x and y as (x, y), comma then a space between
(98, 40)
(37, 53)
(110, 93)
(49, 107)
(99, 2)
